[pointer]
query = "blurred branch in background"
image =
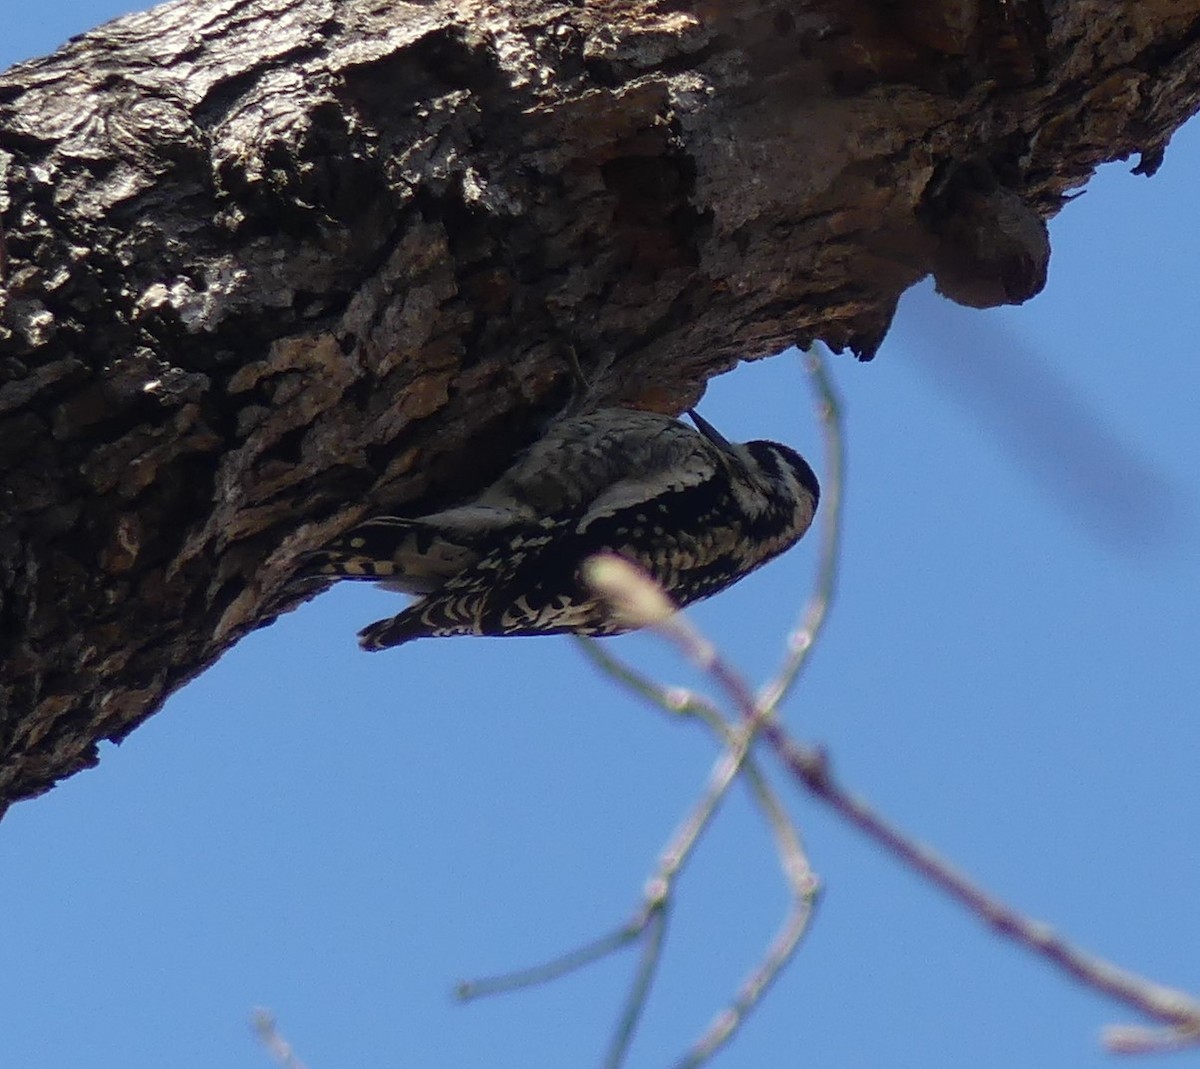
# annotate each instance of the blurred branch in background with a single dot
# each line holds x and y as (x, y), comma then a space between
(263, 1023)
(1084, 467)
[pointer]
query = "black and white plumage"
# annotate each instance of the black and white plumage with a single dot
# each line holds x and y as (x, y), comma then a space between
(695, 511)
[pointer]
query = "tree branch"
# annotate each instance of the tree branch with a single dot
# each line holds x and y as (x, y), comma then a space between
(271, 265)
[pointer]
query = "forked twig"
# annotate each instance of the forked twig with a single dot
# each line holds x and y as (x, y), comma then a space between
(639, 991)
(802, 882)
(804, 887)
(641, 599)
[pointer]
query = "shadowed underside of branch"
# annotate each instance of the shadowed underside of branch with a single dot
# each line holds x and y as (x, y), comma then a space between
(267, 265)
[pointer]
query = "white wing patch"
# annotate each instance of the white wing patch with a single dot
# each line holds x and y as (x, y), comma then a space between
(629, 493)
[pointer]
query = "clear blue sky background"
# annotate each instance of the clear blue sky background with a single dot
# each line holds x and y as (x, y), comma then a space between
(1011, 671)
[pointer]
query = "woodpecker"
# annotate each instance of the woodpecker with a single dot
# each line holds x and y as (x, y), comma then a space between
(695, 511)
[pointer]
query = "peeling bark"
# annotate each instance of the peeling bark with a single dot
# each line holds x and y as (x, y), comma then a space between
(268, 265)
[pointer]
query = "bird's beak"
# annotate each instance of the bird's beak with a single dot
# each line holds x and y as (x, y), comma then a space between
(710, 432)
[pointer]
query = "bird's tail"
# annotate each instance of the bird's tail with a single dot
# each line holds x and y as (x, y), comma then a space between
(412, 555)
(394, 631)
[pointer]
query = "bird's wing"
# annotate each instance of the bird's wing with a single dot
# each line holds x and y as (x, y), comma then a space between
(609, 459)
(655, 488)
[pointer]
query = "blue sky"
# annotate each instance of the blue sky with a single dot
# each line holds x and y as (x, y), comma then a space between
(1010, 672)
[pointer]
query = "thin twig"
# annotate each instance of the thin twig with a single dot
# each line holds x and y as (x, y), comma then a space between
(801, 641)
(811, 767)
(672, 700)
(678, 701)
(802, 882)
(804, 887)
(637, 599)
(735, 759)
(502, 983)
(639, 993)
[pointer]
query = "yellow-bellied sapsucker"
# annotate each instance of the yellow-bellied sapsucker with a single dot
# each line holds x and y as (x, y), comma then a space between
(695, 511)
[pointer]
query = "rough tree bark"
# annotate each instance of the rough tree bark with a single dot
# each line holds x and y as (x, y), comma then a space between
(270, 264)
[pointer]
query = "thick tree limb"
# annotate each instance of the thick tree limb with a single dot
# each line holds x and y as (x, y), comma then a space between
(270, 263)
